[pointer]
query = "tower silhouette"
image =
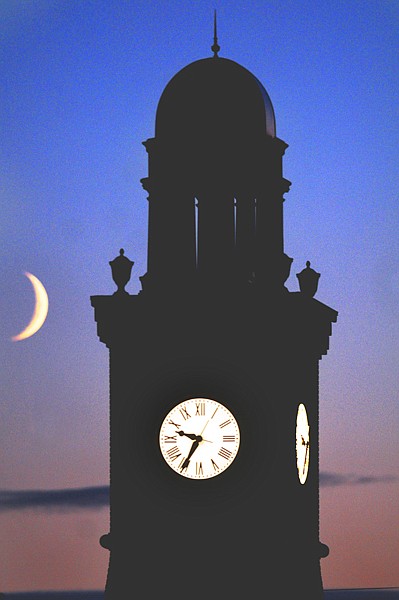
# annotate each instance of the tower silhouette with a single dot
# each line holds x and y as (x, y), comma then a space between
(214, 409)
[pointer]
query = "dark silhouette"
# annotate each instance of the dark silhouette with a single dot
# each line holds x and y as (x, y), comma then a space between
(214, 320)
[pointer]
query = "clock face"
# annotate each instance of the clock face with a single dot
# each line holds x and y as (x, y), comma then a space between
(199, 438)
(302, 443)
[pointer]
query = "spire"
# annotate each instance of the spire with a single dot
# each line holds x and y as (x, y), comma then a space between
(215, 47)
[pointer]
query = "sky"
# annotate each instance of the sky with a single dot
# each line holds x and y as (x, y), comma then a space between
(80, 83)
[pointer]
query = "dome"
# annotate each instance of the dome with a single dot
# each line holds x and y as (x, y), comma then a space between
(215, 97)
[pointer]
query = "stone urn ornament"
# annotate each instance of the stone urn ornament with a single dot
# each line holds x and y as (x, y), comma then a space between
(121, 268)
(308, 281)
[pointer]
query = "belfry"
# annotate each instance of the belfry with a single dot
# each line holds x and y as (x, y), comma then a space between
(215, 184)
(214, 407)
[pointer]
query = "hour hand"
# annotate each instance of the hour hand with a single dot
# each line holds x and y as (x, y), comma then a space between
(192, 436)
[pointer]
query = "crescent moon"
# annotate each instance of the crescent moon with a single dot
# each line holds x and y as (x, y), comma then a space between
(40, 312)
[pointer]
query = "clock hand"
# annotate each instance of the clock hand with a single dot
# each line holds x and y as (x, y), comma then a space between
(204, 427)
(192, 450)
(192, 436)
(306, 455)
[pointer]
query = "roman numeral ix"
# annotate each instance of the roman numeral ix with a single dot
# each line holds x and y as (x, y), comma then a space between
(184, 413)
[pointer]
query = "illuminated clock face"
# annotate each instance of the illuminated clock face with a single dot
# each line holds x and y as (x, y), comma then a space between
(302, 443)
(199, 438)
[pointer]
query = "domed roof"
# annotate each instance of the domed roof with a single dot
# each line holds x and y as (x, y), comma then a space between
(215, 97)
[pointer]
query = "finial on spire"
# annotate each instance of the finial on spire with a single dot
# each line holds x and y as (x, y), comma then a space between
(215, 47)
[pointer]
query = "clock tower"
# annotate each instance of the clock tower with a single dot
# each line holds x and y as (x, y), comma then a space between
(214, 408)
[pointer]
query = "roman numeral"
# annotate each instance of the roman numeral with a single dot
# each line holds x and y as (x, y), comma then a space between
(200, 409)
(169, 439)
(216, 409)
(225, 423)
(199, 469)
(214, 465)
(224, 453)
(184, 413)
(173, 453)
(229, 438)
(174, 424)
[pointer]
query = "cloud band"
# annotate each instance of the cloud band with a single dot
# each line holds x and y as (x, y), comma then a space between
(98, 496)
(61, 500)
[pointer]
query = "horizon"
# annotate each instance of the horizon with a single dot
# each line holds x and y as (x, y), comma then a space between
(330, 594)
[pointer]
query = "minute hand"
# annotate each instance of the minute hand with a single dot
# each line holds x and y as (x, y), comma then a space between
(192, 450)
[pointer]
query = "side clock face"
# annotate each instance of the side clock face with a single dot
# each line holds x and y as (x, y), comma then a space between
(302, 443)
(199, 438)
